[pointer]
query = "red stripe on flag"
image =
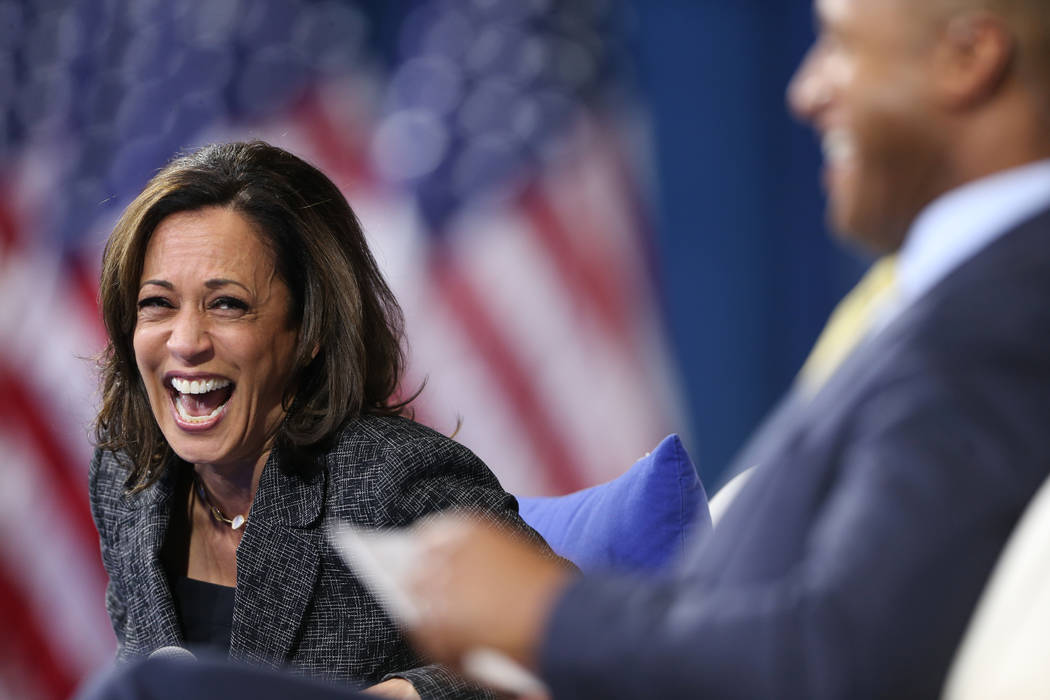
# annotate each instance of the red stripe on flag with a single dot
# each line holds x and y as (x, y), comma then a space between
(68, 481)
(8, 232)
(559, 468)
(24, 642)
(346, 160)
(589, 274)
(633, 200)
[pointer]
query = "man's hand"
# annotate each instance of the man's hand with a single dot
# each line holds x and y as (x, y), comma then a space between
(478, 585)
(395, 688)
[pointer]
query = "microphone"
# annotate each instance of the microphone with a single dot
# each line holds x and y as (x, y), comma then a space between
(174, 653)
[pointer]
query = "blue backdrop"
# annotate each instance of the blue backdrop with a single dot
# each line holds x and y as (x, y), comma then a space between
(750, 273)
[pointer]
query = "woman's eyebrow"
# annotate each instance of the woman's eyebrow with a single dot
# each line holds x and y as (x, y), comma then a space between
(222, 282)
(210, 284)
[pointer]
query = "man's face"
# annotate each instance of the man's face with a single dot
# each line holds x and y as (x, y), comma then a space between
(866, 86)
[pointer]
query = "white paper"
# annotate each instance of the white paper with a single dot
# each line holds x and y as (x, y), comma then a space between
(383, 560)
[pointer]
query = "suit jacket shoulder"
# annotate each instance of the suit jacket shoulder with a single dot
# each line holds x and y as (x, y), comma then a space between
(387, 471)
(131, 531)
(105, 486)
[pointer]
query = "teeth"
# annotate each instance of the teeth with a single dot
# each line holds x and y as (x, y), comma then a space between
(837, 145)
(185, 386)
(194, 419)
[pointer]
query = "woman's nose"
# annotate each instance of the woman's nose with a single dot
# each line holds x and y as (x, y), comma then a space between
(189, 339)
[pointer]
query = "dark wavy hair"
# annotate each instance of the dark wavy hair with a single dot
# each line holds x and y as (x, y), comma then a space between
(344, 309)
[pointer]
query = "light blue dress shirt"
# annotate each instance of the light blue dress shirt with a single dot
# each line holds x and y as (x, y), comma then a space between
(959, 224)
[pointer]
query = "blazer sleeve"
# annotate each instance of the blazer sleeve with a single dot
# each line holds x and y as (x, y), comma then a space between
(437, 682)
(105, 484)
(433, 473)
(426, 474)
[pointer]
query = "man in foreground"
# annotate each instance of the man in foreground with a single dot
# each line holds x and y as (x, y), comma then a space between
(853, 557)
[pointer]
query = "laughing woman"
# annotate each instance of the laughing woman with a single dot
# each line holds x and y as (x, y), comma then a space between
(247, 398)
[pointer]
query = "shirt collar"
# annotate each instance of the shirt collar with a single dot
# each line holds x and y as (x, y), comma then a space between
(958, 224)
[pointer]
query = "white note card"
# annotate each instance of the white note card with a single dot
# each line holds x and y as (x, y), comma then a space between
(383, 560)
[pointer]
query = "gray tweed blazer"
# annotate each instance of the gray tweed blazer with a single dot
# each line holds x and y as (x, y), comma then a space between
(296, 604)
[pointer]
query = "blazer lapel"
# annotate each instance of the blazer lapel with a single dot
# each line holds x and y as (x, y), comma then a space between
(153, 622)
(800, 413)
(278, 562)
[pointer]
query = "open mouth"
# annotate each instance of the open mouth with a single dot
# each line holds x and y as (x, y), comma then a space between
(837, 145)
(199, 402)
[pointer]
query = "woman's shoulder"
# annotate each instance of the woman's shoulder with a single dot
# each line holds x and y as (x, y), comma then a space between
(394, 438)
(107, 474)
(389, 471)
(108, 483)
(107, 491)
(382, 452)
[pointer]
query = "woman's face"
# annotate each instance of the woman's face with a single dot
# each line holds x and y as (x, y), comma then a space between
(213, 339)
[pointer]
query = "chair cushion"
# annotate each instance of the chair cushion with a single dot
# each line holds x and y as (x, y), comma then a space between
(1003, 653)
(636, 522)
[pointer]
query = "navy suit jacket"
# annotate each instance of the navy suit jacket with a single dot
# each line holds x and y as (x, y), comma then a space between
(851, 561)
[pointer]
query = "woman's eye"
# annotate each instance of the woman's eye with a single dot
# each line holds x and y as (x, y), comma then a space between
(229, 304)
(154, 302)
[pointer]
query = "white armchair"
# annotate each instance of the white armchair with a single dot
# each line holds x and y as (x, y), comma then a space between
(720, 502)
(1005, 653)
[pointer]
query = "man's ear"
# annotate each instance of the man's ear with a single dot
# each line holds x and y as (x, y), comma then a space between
(974, 57)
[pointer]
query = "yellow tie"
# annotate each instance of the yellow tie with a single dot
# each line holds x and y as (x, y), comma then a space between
(848, 323)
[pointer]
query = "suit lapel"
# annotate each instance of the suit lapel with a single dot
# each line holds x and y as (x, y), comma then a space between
(765, 441)
(278, 562)
(800, 413)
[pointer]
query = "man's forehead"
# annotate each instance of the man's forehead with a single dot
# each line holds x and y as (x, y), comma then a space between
(839, 12)
(858, 13)
(827, 10)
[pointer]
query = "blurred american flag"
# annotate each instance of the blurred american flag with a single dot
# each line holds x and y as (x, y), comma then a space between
(495, 151)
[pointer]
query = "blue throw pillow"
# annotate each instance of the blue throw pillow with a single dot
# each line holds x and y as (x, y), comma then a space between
(636, 522)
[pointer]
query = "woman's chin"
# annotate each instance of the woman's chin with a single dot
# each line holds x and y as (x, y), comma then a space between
(196, 453)
(195, 443)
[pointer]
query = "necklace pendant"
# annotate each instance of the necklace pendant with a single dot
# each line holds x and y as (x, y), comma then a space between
(237, 521)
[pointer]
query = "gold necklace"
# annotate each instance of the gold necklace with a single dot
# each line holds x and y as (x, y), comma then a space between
(235, 522)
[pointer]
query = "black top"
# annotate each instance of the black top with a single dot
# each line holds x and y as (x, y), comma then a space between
(206, 612)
